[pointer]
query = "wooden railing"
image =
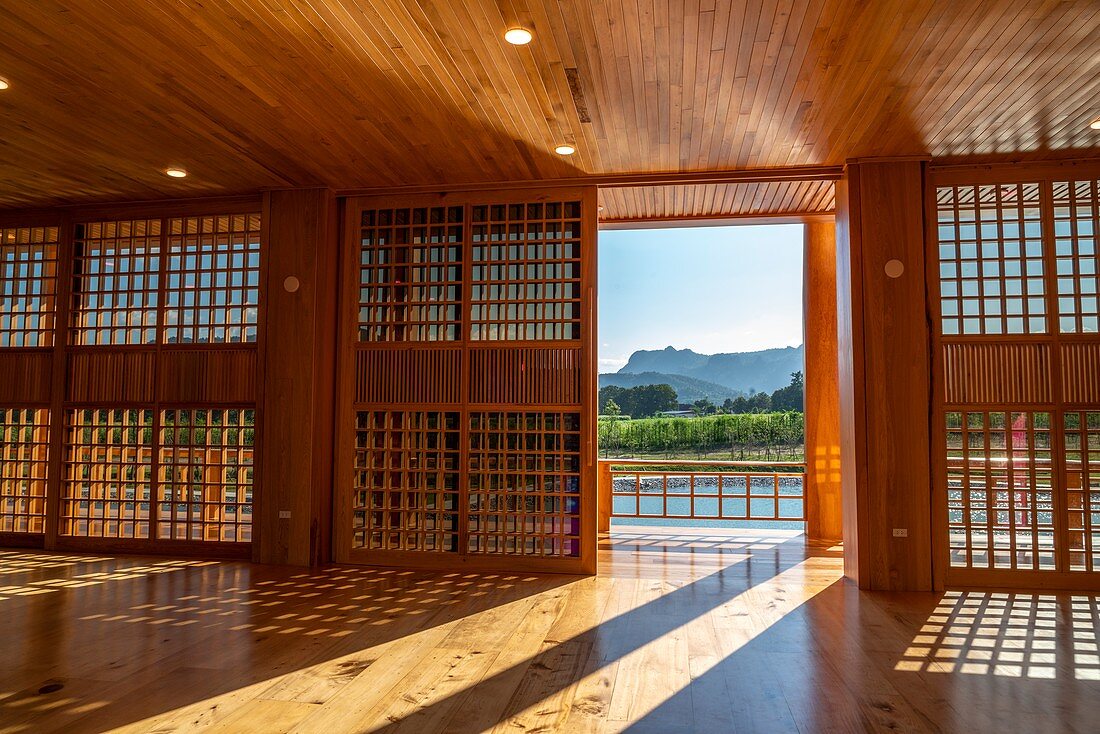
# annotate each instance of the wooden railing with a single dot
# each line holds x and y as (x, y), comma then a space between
(701, 490)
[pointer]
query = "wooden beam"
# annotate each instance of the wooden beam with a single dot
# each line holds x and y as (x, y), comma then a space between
(741, 175)
(822, 408)
(737, 220)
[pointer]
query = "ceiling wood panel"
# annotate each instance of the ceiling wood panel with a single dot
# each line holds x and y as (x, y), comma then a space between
(716, 201)
(245, 95)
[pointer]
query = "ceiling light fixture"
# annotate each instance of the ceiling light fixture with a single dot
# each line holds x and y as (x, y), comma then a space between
(518, 36)
(176, 172)
(565, 150)
(1095, 124)
(4, 83)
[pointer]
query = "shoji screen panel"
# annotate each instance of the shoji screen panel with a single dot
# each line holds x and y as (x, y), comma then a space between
(466, 423)
(1017, 372)
(29, 288)
(161, 381)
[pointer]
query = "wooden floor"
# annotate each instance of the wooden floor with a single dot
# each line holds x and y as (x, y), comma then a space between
(698, 631)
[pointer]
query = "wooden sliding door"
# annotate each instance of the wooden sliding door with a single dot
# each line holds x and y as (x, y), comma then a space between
(466, 413)
(128, 379)
(1017, 368)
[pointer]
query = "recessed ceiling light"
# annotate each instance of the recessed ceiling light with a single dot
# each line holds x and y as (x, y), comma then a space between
(1095, 124)
(4, 83)
(176, 172)
(518, 36)
(565, 150)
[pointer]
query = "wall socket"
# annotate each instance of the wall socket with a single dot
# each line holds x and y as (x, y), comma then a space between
(901, 532)
(285, 515)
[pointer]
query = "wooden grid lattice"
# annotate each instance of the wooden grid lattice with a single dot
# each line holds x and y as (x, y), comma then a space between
(991, 259)
(28, 284)
(204, 491)
(116, 273)
(1076, 227)
(410, 274)
(1000, 490)
(407, 480)
(108, 473)
(24, 460)
(212, 279)
(465, 426)
(526, 272)
(524, 483)
(1082, 438)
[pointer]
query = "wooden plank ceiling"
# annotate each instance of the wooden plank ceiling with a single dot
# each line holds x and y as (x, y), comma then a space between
(107, 93)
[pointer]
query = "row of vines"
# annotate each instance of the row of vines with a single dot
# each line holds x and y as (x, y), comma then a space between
(739, 437)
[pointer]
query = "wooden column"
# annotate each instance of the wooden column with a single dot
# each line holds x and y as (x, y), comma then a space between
(822, 408)
(604, 497)
(884, 357)
(294, 487)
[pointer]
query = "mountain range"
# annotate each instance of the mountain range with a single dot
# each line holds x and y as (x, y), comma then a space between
(713, 376)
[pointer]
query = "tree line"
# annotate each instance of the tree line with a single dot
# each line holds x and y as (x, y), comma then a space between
(645, 401)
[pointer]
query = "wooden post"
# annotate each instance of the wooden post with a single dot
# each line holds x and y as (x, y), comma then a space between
(294, 487)
(822, 408)
(885, 368)
(603, 492)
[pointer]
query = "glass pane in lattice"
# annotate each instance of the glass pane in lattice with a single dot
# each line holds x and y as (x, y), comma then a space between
(1082, 437)
(116, 274)
(407, 471)
(526, 272)
(213, 279)
(206, 474)
(108, 473)
(410, 274)
(28, 283)
(1076, 222)
(991, 259)
(24, 455)
(1000, 490)
(524, 483)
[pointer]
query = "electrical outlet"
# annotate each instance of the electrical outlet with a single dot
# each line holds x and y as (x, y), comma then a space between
(901, 532)
(285, 515)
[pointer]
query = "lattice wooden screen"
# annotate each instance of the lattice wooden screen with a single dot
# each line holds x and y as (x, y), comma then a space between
(1018, 378)
(204, 491)
(407, 477)
(468, 430)
(213, 279)
(24, 457)
(157, 320)
(108, 473)
(117, 268)
(28, 286)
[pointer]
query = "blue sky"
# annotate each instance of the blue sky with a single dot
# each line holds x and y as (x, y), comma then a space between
(710, 289)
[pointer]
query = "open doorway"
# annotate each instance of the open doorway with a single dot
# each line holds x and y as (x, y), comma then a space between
(701, 429)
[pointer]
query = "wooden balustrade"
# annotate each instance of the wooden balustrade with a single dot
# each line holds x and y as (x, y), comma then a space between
(701, 490)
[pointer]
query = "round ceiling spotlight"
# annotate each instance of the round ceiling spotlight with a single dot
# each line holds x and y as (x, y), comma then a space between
(1095, 124)
(518, 36)
(565, 150)
(175, 172)
(4, 83)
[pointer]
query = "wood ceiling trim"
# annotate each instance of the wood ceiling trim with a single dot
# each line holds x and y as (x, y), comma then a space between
(756, 175)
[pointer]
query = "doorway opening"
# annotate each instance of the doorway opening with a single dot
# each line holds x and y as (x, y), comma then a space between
(701, 431)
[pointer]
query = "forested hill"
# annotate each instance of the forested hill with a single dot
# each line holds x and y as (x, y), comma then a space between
(688, 389)
(740, 372)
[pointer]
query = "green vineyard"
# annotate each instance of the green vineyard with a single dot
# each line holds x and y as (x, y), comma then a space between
(739, 437)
